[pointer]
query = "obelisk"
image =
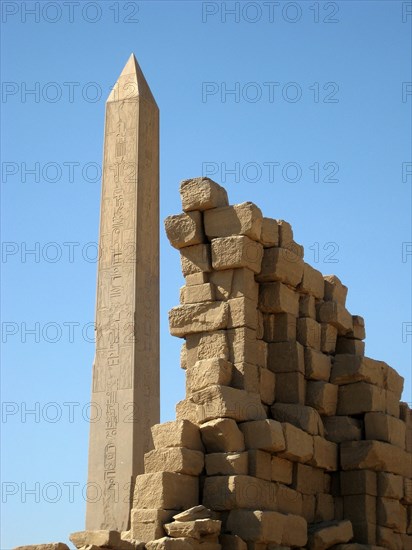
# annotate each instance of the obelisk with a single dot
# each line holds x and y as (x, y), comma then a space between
(125, 385)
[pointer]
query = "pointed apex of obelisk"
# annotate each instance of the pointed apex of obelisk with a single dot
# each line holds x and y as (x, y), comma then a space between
(131, 84)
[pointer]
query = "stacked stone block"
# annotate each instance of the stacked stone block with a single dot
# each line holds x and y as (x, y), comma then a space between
(288, 434)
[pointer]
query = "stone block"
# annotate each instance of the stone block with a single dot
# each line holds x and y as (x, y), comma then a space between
(279, 327)
(307, 479)
(270, 233)
(360, 508)
(336, 315)
(328, 336)
(334, 289)
(202, 194)
(242, 313)
(261, 358)
(208, 372)
(246, 377)
(386, 538)
(222, 436)
(322, 396)
(166, 490)
(312, 282)
(222, 493)
(290, 388)
(147, 525)
(174, 459)
(194, 318)
(325, 454)
(235, 283)
(286, 357)
(177, 434)
(358, 330)
(278, 298)
(232, 542)
(195, 529)
(196, 512)
(47, 546)
(384, 427)
(198, 278)
(358, 482)
(360, 397)
(285, 233)
(392, 404)
(325, 508)
(342, 428)
(317, 365)
(206, 345)
(394, 381)
(365, 533)
(391, 514)
(298, 444)
(307, 307)
(239, 219)
(256, 526)
(350, 345)
(267, 386)
(282, 470)
(390, 485)
(326, 535)
(281, 264)
(375, 455)
(289, 501)
(194, 294)
(301, 416)
(308, 332)
(92, 540)
(260, 464)
(166, 543)
(235, 252)
(242, 345)
(348, 369)
(195, 259)
(226, 464)
(308, 507)
(185, 229)
(265, 435)
(295, 532)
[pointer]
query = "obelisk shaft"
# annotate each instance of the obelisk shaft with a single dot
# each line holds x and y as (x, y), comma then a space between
(125, 387)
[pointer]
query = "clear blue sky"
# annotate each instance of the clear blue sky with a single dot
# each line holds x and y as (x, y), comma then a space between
(318, 96)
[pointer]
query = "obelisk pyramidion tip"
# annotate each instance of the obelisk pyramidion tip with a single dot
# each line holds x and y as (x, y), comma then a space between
(131, 84)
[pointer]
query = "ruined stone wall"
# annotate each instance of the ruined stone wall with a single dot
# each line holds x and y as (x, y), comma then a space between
(289, 436)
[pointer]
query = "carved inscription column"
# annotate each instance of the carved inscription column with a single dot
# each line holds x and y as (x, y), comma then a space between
(125, 386)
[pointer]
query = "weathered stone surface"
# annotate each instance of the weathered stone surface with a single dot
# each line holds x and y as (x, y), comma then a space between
(270, 232)
(295, 531)
(202, 194)
(266, 435)
(358, 330)
(239, 219)
(350, 345)
(280, 264)
(357, 482)
(246, 377)
(193, 294)
(289, 501)
(278, 298)
(207, 372)
(222, 436)
(196, 512)
(360, 508)
(49, 546)
(267, 386)
(299, 445)
(147, 525)
(290, 387)
(198, 278)
(184, 229)
(359, 398)
(177, 434)
(191, 318)
(174, 459)
(242, 313)
(282, 470)
(242, 345)
(307, 307)
(166, 543)
(342, 428)
(335, 290)
(312, 282)
(307, 479)
(390, 513)
(285, 233)
(386, 538)
(233, 492)
(206, 345)
(322, 396)
(166, 490)
(348, 369)
(286, 357)
(325, 508)
(194, 529)
(325, 535)
(328, 335)
(237, 251)
(99, 538)
(260, 464)
(384, 427)
(325, 454)
(309, 332)
(257, 526)
(235, 283)
(390, 485)
(374, 455)
(279, 327)
(394, 381)
(336, 315)
(195, 259)
(232, 542)
(226, 464)
(301, 416)
(317, 365)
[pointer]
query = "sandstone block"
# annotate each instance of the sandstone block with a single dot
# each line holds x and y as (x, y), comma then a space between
(286, 357)
(392, 404)
(166, 490)
(206, 345)
(239, 219)
(242, 313)
(257, 526)
(267, 386)
(325, 508)
(298, 444)
(384, 427)
(266, 435)
(194, 294)
(281, 264)
(348, 369)
(196, 512)
(195, 259)
(350, 345)
(295, 531)
(147, 525)
(325, 454)
(260, 464)
(202, 194)
(308, 507)
(177, 434)
(307, 306)
(278, 298)
(325, 535)
(235, 252)
(174, 459)
(207, 372)
(322, 396)
(336, 315)
(270, 233)
(390, 485)
(301, 416)
(359, 398)
(222, 436)
(328, 335)
(261, 358)
(222, 493)
(235, 283)
(49, 546)
(386, 538)
(317, 365)
(192, 318)
(185, 229)
(226, 464)
(232, 542)
(290, 388)
(391, 514)
(242, 345)
(289, 501)
(166, 543)
(358, 330)
(282, 470)
(195, 529)
(334, 289)
(357, 482)
(394, 381)
(246, 377)
(198, 278)
(279, 327)
(308, 480)
(285, 233)
(312, 282)
(342, 428)
(374, 455)
(364, 532)
(309, 332)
